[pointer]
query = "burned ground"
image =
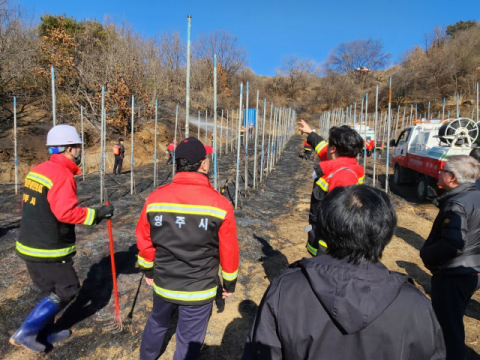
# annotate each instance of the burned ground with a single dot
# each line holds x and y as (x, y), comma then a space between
(270, 225)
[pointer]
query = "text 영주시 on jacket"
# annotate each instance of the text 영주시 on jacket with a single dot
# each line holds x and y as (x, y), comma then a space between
(185, 231)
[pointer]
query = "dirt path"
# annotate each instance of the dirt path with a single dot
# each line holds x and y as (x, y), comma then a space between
(270, 230)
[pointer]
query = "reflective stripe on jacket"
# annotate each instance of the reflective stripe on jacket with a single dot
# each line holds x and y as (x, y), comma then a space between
(307, 146)
(187, 233)
(319, 144)
(324, 182)
(341, 171)
(50, 211)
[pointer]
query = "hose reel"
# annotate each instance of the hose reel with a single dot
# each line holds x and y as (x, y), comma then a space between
(458, 132)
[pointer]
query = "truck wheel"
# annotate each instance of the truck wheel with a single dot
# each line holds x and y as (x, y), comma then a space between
(396, 175)
(422, 188)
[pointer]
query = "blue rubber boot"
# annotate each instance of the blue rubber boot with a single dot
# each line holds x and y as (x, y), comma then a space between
(61, 335)
(40, 316)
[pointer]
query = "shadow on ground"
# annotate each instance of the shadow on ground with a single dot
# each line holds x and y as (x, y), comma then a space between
(273, 261)
(236, 332)
(410, 237)
(96, 289)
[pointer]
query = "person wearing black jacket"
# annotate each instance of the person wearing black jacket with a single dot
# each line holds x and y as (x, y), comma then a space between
(346, 304)
(119, 158)
(475, 153)
(452, 250)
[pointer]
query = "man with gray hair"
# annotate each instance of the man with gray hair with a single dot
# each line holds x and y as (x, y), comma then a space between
(452, 250)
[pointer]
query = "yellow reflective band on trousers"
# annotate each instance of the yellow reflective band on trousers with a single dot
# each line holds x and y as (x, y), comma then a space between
(40, 179)
(314, 251)
(229, 276)
(187, 209)
(311, 249)
(90, 217)
(320, 146)
(185, 295)
(144, 263)
(42, 253)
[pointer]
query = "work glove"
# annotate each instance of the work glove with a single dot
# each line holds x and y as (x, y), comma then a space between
(149, 273)
(105, 212)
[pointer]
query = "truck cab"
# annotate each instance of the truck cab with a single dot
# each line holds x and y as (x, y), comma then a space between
(420, 151)
(413, 159)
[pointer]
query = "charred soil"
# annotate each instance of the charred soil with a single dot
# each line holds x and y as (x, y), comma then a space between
(270, 222)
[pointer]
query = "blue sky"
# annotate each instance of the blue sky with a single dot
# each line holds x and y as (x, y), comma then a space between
(270, 29)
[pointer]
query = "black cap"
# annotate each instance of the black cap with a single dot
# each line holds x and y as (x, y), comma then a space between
(192, 149)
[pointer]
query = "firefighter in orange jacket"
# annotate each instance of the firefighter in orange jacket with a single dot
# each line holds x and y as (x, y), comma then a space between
(338, 167)
(47, 234)
(307, 150)
(185, 232)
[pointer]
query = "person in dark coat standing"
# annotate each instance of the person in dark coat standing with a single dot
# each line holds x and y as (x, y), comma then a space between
(346, 304)
(452, 250)
(119, 152)
(475, 153)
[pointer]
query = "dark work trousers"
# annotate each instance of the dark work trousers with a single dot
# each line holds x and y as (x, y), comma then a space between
(118, 164)
(170, 157)
(450, 296)
(57, 277)
(191, 329)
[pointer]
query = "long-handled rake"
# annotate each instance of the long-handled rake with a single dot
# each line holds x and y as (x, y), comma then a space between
(116, 326)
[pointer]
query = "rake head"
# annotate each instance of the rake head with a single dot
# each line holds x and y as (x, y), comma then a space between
(116, 325)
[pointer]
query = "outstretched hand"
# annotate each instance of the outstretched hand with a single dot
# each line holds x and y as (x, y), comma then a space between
(226, 294)
(304, 127)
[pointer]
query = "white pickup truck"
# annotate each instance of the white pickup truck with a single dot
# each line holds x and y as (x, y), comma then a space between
(422, 149)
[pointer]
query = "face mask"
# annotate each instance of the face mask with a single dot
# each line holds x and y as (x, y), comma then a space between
(78, 158)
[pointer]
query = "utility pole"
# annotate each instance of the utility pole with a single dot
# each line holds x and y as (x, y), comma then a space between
(388, 130)
(215, 122)
(54, 98)
(238, 146)
(83, 144)
(155, 144)
(131, 155)
(187, 100)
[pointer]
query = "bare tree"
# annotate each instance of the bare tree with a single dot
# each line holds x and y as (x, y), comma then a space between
(435, 39)
(17, 48)
(297, 72)
(230, 54)
(348, 56)
(173, 50)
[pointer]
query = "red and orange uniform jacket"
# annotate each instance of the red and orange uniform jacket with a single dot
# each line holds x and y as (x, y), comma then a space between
(50, 211)
(185, 233)
(307, 146)
(342, 171)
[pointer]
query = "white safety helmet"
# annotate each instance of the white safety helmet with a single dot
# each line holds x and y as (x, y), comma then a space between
(63, 135)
